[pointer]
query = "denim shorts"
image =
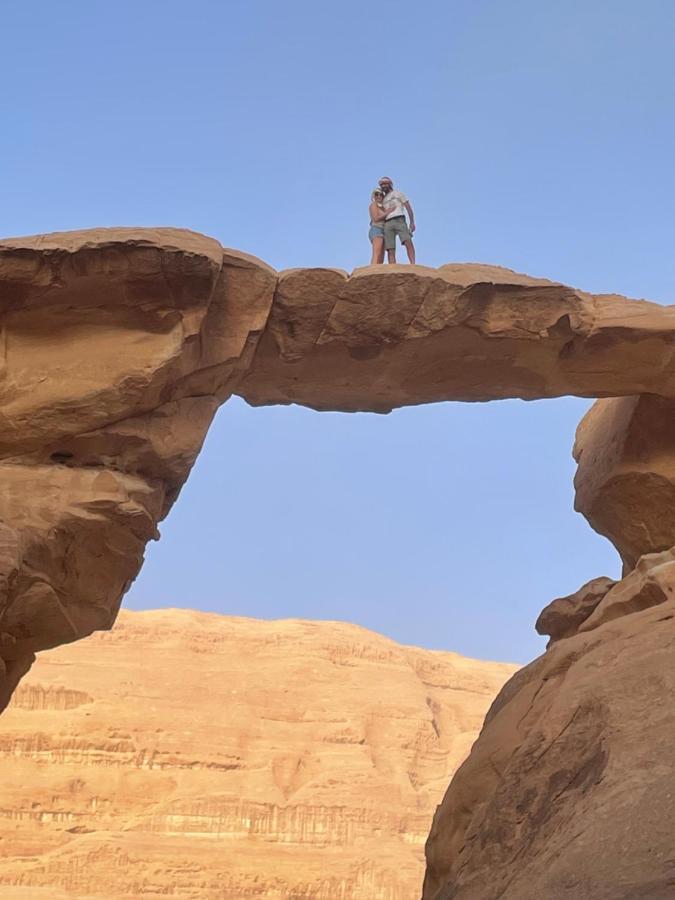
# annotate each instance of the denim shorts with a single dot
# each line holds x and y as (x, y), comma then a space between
(376, 231)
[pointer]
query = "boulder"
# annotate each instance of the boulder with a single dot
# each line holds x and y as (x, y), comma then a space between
(568, 792)
(564, 616)
(625, 481)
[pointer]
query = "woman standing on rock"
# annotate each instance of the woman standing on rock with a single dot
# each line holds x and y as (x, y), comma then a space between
(376, 234)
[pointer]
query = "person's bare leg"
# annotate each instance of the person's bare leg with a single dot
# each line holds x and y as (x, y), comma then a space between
(391, 256)
(410, 249)
(378, 251)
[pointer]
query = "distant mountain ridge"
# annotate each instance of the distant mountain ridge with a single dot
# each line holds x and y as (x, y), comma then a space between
(199, 756)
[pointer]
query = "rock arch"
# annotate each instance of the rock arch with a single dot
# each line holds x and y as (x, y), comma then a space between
(118, 345)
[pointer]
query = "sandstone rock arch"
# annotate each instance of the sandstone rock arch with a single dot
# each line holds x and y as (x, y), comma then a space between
(118, 345)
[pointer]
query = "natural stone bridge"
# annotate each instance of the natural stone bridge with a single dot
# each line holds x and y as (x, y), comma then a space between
(117, 347)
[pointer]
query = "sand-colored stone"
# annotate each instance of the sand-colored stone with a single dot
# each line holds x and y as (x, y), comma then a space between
(568, 793)
(564, 616)
(390, 336)
(116, 347)
(625, 482)
(198, 756)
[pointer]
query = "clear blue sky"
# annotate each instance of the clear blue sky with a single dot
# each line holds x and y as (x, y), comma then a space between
(534, 135)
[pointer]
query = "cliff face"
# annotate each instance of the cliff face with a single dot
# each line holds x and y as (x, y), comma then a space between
(207, 757)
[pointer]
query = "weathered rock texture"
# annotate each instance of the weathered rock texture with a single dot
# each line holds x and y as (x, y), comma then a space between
(197, 756)
(625, 483)
(569, 791)
(389, 336)
(563, 617)
(116, 347)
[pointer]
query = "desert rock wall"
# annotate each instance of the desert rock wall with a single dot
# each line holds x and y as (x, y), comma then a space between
(200, 756)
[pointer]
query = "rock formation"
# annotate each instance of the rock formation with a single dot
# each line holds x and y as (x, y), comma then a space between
(398, 335)
(625, 483)
(568, 793)
(198, 756)
(116, 346)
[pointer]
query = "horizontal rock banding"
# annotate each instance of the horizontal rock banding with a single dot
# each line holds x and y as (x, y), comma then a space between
(204, 740)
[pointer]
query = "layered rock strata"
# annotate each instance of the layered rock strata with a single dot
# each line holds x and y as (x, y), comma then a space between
(198, 756)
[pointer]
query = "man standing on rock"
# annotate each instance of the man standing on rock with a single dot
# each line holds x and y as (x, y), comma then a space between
(395, 224)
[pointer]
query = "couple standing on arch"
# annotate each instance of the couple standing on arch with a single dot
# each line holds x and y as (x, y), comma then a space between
(387, 220)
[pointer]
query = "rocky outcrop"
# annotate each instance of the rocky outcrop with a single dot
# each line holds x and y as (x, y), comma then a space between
(569, 790)
(191, 755)
(563, 617)
(625, 483)
(116, 347)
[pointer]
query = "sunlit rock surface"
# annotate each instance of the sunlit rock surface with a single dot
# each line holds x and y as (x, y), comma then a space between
(117, 345)
(625, 483)
(198, 756)
(570, 790)
(390, 336)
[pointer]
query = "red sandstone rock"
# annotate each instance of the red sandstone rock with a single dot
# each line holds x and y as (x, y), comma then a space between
(118, 345)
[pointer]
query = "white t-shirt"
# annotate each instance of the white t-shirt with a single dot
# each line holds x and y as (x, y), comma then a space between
(395, 199)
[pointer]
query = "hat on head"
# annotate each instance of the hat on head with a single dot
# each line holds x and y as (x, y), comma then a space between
(386, 180)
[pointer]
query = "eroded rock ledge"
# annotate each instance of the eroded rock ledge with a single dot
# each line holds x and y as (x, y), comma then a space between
(390, 336)
(118, 345)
